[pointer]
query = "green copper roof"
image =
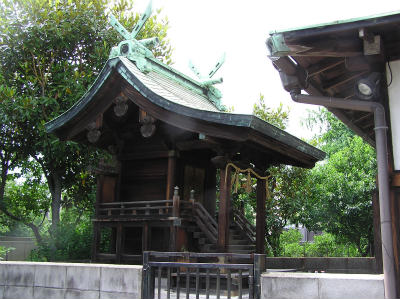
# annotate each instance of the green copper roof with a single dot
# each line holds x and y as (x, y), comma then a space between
(175, 99)
(137, 51)
(367, 18)
(181, 91)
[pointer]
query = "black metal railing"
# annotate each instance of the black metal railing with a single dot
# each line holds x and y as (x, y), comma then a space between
(191, 274)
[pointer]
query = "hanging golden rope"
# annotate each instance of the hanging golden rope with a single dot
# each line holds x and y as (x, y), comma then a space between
(235, 178)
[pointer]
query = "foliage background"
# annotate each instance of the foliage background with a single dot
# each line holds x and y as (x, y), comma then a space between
(51, 52)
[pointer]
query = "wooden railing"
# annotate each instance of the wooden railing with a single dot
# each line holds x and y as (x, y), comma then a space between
(155, 208)
(174, 209)
(206, 222)
(248, 228)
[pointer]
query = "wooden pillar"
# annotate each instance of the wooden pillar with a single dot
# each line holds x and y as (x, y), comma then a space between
(98, 194)
(118, 245)
(96, 241)
(145, 239)
(171, 174)
(175, 215)
(210, 191)
(260, 216)
(224, 207)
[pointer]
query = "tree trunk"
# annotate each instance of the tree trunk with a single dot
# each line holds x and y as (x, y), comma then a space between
(55, 190)
(36, 232)
(3, 208)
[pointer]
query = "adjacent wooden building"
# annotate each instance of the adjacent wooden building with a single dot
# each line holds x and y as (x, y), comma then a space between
(347, 61)
(166, 130)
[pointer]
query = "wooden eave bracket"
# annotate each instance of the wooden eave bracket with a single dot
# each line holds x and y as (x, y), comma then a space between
(395, 179)
(93, 128)
(372, 43)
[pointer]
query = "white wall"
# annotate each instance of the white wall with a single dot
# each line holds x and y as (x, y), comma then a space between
(25, 280)
(284, 285)
(394, 106)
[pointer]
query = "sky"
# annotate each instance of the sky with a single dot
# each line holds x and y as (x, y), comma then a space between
(202, 30)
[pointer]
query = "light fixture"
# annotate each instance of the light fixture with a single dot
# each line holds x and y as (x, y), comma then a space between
(368, 88)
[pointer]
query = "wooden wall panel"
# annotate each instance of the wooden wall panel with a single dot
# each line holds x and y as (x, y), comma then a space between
(107, 188)
(194, 179)
(144, 180)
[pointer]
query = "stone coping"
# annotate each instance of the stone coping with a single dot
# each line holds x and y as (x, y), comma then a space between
(323, 275)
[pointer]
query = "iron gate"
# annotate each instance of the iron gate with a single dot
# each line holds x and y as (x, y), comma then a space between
(170, 275)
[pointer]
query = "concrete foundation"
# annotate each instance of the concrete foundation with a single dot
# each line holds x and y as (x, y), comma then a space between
(277, 285)
(352, 265)
(69, 281)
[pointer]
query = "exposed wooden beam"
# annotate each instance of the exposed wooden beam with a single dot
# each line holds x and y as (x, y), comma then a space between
(358, 63)
(325, 48)
(324, 66)
(339, 114)
(363, 117)
(341, 80)
(350, 96)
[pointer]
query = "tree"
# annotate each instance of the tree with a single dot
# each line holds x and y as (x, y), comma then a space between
(281, 205)
(338, 192)
(323, 245)
(278, 117)
(335, 196)
(51, 52)
(12, 154)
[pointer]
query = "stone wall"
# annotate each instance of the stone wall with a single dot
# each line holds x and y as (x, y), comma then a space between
(30, 280)
(284, 285)
(352, 265)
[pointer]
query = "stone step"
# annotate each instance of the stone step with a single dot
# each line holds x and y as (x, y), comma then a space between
(241, 251)
(239, 242)
(241, 247)
(198, 235)
(209, 248)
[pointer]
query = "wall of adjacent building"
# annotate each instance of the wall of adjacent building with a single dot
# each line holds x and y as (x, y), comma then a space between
(22, 247)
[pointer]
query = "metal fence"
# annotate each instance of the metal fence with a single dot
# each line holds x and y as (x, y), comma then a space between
(206, 275)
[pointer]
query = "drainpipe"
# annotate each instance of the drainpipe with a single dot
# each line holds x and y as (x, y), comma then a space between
(383, 173)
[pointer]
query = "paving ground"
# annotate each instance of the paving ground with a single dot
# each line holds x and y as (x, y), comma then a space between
(192, 294)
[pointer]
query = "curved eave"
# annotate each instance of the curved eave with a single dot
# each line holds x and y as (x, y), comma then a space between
(245, 127)
(342, 25)
(69, 116)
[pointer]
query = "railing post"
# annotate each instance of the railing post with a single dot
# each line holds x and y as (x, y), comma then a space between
(191, 200)
(148, 278)
(259, 268)
(175, 215)
(175, 202)
(122, 209)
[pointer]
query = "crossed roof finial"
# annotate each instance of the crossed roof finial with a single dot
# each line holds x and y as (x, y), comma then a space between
(133, 49)
(206, 80)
